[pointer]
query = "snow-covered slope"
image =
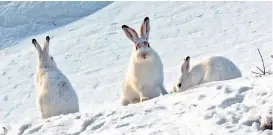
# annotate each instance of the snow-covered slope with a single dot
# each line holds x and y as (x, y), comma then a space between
(22, 19)
(94, 53)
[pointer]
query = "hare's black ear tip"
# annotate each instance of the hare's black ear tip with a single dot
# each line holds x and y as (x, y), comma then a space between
(187, 58)
(146, 19)
(34, 41)
(124, 26)
(47, 38)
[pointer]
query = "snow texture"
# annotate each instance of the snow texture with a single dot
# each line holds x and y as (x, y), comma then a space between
(93, 52)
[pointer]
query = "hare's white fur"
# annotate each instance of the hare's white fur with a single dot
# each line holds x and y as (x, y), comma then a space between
(55, 94)
(144, 79)
(215, 68)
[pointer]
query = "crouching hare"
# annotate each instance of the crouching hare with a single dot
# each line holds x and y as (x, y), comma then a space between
(215, 68)
(55, 94)
(144, 79)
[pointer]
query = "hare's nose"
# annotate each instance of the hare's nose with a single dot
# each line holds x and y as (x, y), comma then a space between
(144, 54)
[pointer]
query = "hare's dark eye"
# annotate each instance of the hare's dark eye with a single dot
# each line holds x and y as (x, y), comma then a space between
(179, 85)
(51, 57)
(148, 45)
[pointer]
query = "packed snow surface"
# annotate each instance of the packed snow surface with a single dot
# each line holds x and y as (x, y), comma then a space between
(90, 47)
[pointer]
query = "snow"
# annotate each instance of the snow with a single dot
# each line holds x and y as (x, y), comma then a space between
(22, 19)
(91, 49)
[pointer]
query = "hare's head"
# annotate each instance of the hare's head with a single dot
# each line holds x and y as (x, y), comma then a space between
(182, 83)
(44, 59)
(143, 50)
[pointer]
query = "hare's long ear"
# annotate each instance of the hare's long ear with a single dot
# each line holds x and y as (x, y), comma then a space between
(145, 28)
(38, 47)
(130, 33)
(46, 45)
(186, 65)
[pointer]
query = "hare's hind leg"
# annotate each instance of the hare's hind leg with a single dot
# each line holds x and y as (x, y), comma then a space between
(124, 102)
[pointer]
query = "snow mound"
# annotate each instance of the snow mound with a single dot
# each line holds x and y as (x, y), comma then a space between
(227, 107)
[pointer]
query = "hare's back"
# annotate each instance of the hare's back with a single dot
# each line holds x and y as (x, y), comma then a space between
(220, 68)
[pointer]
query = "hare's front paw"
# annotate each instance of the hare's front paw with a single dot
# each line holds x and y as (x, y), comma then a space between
(174, 89)
(143, 99)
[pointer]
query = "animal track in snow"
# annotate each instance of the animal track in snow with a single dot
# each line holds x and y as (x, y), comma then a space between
(122, 125)
(34, 129)
(23, 128)
(226, 89)
(201, 96)
(31, 75)
(230, 101)
(5, 98)
(4, 73)
(219, 87)
(126, 116)
(96, 85)
(244, 89)
(219, 119)
(67, 56)
(96, 126)
(209, 115)
(111, 113)
(155, 108)
(211, 107)
(87, 122)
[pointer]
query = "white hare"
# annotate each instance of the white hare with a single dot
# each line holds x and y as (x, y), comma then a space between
(55, 94)
(144, 79)
(215, 68)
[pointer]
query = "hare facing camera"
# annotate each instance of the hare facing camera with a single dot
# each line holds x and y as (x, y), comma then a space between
(144, 79)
